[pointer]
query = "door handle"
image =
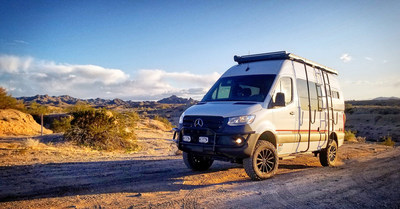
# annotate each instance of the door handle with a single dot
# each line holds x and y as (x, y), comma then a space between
(291, 113)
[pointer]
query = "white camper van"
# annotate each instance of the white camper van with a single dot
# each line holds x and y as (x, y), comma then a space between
(266, 107)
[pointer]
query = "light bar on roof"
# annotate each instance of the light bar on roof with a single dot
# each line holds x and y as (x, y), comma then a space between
(280, 55)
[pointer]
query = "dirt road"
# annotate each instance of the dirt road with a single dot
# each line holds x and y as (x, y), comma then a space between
(367, 177)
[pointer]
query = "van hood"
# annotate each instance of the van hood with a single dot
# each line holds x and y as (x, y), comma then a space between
(224, 109)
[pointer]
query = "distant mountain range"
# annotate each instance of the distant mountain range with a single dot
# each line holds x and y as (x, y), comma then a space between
(176, 100)
(66, 100)
(386, 98)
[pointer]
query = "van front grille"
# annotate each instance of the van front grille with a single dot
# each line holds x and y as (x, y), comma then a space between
(214, 123)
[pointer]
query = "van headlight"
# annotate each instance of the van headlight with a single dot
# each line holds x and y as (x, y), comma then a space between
(241, 120)
(181, 118)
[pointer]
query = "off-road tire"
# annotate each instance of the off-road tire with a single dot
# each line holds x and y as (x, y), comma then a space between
(328, 156)
(196, 162)
(263, 163)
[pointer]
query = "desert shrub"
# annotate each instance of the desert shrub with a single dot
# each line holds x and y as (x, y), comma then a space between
(100, 130)
(79, 106)
(36, 109)
(361, 139)
(350, 135)
(126, 122)
(61, 125)
(9, 102)
(128, 118)
(165, 121)
(387, 140)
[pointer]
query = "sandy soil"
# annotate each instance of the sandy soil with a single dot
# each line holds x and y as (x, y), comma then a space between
(14, 122)
(53, 174)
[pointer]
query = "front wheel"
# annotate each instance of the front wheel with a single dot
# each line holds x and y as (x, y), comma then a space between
(328, 156)
(263, 163)
(196, 162)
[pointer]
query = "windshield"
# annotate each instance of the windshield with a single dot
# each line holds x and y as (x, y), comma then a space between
(240, 88)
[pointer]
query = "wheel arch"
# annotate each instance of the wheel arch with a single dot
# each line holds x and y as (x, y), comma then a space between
(268, 136)
(333, 136)
(265, 136)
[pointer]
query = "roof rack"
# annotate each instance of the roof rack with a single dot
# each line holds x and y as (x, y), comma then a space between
(280, 55)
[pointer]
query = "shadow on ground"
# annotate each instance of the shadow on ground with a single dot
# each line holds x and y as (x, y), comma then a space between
(85, 178)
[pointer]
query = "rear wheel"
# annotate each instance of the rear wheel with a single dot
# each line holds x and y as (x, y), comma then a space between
(263, 163)
(328, 156)
(196, 162)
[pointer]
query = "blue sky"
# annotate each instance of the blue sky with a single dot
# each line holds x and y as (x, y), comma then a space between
(146, 50)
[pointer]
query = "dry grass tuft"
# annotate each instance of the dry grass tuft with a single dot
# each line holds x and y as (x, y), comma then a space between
(157, 125)
(388, 141)
(30, 143)
(361, 139)
(350, 136)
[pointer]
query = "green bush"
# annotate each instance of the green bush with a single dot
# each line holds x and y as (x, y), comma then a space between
(36, 109)
(61, 125)
(127, 119)
(101, 130)
(387, 140)
(9, 102)
(165, 121)
(350, 135)
(79, 106)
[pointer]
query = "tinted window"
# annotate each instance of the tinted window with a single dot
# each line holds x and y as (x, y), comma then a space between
(303, 94)
(313, 95)
(335, 94)
(240, 88)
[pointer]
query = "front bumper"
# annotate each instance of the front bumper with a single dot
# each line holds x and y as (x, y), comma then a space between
(219, 144)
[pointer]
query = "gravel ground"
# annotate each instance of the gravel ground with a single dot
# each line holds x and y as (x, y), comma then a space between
(48, 176)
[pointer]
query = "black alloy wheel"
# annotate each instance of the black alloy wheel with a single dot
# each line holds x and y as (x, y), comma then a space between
(263, 163)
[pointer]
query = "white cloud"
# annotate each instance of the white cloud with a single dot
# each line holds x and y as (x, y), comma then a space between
(25, 76)
(13, 64)
(369, 58)
(346, 57)
(20, 42)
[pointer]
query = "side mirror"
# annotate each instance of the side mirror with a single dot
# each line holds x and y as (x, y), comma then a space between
(279, 99)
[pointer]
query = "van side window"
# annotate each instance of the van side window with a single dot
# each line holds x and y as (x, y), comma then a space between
(303, 94)
(285, 85)
(335, 95)
(313, 95)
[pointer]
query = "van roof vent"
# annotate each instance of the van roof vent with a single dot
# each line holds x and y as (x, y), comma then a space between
(280, 55)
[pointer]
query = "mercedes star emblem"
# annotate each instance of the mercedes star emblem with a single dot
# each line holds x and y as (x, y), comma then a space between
(198, 122)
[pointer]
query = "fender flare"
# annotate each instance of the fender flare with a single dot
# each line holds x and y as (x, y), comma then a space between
(267, 135)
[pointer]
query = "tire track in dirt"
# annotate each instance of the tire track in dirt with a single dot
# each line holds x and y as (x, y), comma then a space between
(373, 178)
(373, 183)
(165, 182)
(80, 178)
